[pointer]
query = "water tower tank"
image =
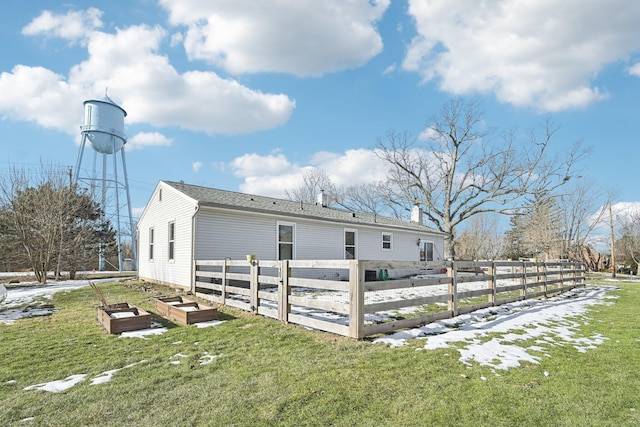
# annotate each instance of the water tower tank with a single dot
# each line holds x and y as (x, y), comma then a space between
(104, 125)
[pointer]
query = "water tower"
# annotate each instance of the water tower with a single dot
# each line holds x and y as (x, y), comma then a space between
(107, 182)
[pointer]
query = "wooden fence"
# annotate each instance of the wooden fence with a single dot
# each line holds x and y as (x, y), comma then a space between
(359, 298)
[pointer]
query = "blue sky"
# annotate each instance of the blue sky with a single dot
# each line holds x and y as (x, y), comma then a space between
(246, 96)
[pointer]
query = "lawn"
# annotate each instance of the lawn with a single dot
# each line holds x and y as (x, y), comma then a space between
(249, 370)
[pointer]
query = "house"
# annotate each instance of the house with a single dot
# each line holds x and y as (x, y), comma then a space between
(182, 223)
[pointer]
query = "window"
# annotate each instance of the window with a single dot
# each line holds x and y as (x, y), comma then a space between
(387, 241)
(350, 244)
(286, 236)
(151, 244)
(172, 239)
(426, 251)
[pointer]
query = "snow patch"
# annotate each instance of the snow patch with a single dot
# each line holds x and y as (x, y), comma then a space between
(58, 385)
(546, 322)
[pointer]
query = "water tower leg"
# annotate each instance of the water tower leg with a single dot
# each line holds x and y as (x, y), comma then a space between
(117, 212)
(79, 161)
(103, 203)
(134, 246)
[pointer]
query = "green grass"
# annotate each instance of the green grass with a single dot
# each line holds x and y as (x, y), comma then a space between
(269, 373)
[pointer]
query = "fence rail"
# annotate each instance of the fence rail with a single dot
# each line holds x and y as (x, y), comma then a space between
(359, 298)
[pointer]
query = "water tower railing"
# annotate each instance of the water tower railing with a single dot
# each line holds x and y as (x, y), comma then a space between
(103, 129)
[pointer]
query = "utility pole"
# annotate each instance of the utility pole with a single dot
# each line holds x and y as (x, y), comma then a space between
(613, 241)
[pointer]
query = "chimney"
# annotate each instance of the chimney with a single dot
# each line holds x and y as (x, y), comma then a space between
(323, 199)
(416, 214)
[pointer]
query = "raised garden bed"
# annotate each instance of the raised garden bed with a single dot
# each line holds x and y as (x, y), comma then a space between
(123, 317)
(184, 311)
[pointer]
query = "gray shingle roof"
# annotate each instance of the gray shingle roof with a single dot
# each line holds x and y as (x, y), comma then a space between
(213, 197)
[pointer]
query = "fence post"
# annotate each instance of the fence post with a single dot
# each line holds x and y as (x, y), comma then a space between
(253, 286)
(523, 280)
(284, 291)
(544, 274)
(224, 282)
(492, 283)
(452, 272)
(356, 299)
(194, 275)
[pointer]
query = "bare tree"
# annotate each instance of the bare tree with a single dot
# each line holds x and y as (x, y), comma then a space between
(314, 181)
(11, 252)
(579, 220)
(460, 170)
(35, 212)
(557, 225)
(371, 197)
(50, 218)
(629, 242)
(481, 239)
(537, 229)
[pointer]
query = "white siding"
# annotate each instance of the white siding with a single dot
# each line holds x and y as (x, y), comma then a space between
(233, 234)
(404, 244)
(174, 206)
(230, 234)
(315, 240)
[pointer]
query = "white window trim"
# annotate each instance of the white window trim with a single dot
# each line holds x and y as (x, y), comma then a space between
(152, 243)
(355, 242)
(171, 242)
(390, 248)
(293, 243)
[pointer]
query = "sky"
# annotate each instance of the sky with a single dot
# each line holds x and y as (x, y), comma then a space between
(247, 96)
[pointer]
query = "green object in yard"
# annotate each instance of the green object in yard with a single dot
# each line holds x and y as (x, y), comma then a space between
(383, 274)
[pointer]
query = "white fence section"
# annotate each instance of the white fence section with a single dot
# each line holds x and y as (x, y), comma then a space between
(359, 298)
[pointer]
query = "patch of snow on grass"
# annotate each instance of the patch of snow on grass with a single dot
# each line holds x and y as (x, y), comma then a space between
(58, 385)
(208, 358)
(106, 376)
(9, 317)
(209, 324)
(19, 302)
(155, 329)
(547, 322)
(62, 385)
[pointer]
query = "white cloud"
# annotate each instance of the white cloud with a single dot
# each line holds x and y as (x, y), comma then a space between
(355, 167)
(429, 134)
(254, 164)
(73, 26)
(621, 213)
(300, 37)
(542, 53)
(152, 91)
(196, 166)
(390, 69)
(147, 139)
(272, 174)
(634, 70)
(39, 95)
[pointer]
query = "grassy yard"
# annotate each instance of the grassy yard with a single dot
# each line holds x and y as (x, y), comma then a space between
(265, 373)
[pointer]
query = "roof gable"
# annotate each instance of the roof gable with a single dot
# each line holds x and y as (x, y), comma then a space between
(213, 197)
